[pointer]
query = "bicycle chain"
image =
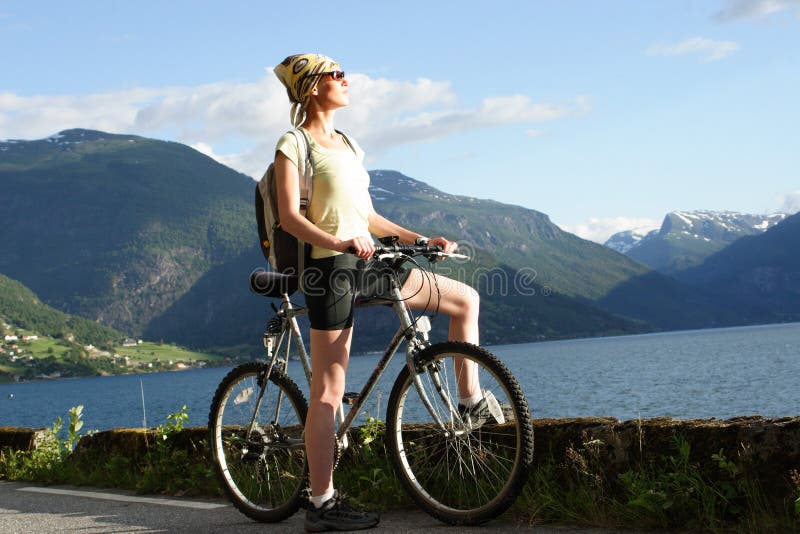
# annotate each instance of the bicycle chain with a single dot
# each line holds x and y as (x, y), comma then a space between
(338, 451)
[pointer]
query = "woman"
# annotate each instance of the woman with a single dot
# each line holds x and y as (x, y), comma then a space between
(341, 219)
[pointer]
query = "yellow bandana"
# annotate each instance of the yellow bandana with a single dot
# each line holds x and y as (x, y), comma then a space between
(299, 74)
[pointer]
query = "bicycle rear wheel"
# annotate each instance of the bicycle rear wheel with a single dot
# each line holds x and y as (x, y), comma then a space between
(257, 442)
(467, 470)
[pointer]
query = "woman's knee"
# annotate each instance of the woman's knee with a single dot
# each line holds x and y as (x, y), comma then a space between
(472, 301)
(462, 301)
(327, 393)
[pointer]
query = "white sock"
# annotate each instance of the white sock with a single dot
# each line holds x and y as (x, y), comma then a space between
(319, 500)
(469, 402)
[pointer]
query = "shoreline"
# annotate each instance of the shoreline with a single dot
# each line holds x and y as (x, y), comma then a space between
(5, 380)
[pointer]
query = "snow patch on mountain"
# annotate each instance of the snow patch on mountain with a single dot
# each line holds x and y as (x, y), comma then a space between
(401, 187)
(624, 241)
(701, 225)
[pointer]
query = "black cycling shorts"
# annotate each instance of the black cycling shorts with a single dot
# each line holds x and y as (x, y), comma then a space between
(332, 284)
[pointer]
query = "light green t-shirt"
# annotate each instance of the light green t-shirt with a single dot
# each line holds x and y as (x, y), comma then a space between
(340, 201)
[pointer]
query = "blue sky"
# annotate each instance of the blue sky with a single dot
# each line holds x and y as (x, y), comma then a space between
(604, 115)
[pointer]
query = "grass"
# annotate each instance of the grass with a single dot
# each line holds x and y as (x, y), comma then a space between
(670, 491)
(365, 472)
(45, 346)
(50, 355)
(169, 464)
(149, 351)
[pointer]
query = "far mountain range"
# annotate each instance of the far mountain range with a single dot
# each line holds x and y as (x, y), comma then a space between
(156, 240)
(686, 238)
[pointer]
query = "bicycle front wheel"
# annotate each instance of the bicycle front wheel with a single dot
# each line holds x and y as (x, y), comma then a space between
(463, 467)
(257, 442)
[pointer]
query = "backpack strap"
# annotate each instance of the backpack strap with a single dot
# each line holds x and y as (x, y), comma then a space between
(348, 142)
(305, 168)
(305, 176)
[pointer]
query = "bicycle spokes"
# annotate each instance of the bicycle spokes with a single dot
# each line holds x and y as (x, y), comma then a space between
(258, 441)
(462, 464)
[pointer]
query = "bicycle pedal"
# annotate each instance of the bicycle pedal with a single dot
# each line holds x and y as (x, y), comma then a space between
(350, 398)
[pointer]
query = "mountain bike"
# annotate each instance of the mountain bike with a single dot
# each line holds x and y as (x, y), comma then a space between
(462, 468)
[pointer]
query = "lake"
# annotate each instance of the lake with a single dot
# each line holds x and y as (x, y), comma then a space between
(719, 373)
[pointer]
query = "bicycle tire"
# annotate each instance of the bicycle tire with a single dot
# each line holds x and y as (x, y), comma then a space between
(459, 475)
(264, 475)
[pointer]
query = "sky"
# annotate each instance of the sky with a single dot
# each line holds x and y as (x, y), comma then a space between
(605, 115)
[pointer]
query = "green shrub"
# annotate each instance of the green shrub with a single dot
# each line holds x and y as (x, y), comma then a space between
(48, 461)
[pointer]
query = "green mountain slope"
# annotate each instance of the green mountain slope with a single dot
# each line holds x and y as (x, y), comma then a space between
(21, 307)
(117, 227)
(43, 342)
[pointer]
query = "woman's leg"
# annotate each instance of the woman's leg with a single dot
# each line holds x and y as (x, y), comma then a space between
(462, 304)
(330, 350)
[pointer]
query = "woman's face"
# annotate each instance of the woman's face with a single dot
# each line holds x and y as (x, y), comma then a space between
(332, 93)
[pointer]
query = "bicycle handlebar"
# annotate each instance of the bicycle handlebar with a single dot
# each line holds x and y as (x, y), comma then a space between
(432, 253)
(397, 250)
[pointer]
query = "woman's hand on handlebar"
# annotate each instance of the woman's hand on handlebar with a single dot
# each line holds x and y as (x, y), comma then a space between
(447, 245)
(362, 246)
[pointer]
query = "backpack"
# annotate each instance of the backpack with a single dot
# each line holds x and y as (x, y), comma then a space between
(281, 249)
(284, 252)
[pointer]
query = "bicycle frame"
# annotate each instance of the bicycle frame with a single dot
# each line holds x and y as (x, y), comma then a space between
(413, 330)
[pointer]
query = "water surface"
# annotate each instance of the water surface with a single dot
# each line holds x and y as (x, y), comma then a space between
(693, 374)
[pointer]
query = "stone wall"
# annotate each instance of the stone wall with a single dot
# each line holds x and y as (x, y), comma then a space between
(21, 439)
(767, 449)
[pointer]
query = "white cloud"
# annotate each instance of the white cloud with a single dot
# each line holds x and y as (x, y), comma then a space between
(239, 123)
(203, 148)
(600, 229)
(789, 202)
(708, 49)
(395, 113)
(753, 9)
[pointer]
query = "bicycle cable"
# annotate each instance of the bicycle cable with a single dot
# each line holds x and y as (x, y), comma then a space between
(429, 278)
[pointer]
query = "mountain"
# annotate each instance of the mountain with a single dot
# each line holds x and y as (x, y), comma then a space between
(558, 261)
(117, 227)
(687, 238)
(536, 281)
(21, 307)
(157, 240)
(516, 305)
(762, 270)
(622, 242)
(39, 341)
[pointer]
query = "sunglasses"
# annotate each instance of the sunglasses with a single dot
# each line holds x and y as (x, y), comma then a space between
(337, 75)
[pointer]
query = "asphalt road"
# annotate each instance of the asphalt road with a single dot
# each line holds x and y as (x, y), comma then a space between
(26, 508)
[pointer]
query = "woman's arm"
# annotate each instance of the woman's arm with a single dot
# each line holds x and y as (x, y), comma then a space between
(287, 183)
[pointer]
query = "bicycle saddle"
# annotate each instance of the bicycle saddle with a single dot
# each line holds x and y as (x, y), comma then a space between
(272, 284)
